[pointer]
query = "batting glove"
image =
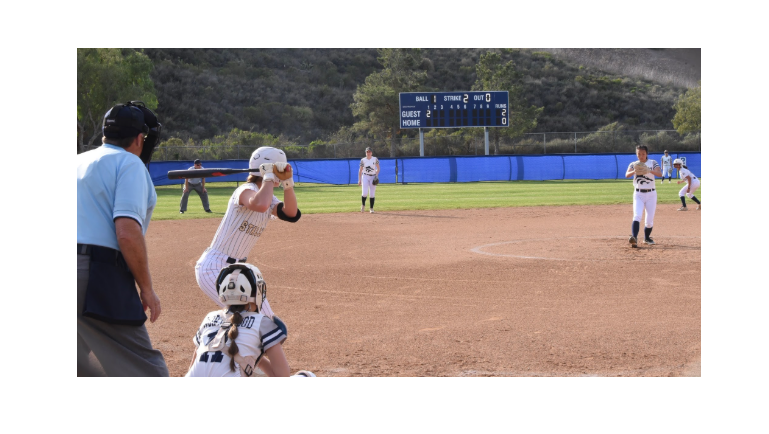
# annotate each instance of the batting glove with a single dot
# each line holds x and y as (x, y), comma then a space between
(287, 184)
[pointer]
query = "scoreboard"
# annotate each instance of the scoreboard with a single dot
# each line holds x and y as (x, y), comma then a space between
(454, 109)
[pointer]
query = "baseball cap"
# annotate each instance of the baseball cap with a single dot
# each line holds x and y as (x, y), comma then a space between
(666, 151)
(368, 149)
(123, 121)
(197, 162)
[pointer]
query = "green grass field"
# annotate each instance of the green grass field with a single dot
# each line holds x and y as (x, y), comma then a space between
(323, 198)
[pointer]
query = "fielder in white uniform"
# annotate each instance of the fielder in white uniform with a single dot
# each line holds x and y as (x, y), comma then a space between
(248, 211)
(645, 195)
(369, 170)
(667, 167)
(692, 184)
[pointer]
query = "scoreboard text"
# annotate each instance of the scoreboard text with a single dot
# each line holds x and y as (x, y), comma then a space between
(454, 109)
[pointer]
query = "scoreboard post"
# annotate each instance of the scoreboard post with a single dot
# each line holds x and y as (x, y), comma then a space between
(454, 110)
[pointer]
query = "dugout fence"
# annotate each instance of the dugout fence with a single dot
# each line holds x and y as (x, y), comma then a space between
(443, 169)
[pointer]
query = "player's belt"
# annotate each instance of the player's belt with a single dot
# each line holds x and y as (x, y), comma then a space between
(370, 174)
(233, 260)
(644, 191)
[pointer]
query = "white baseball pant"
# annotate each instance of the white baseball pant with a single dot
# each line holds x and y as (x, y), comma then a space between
(648, 201)
(695, 185)
(207, 270)
(367, 182)
(667, 171)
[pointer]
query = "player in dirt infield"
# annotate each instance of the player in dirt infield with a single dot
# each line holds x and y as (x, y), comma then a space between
(692, 184)
(240, 341)
(643, 172)
(248, 211)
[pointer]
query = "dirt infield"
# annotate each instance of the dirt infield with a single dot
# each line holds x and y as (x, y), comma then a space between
(540, 291)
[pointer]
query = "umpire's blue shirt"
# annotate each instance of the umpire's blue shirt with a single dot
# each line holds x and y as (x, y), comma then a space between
(111, 183)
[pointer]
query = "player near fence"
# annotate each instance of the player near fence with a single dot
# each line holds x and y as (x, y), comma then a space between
(692, 184)
(240, 341)
(667, 167)
(197, 184)
(368, 177)
(248, 211)
(643, 172)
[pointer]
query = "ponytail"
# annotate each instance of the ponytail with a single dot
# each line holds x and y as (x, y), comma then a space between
(236, 319)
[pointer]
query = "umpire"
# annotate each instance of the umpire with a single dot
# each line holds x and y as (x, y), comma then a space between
(115, 200)
(197, 184)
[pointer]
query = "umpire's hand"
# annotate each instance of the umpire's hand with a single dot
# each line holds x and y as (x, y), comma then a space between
(152, 301)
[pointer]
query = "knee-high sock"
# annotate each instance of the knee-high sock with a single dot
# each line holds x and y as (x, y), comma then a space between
(647, 232)
(683, 200)
(636, 228)
(372, 202)
(694, 198)
(363, 200)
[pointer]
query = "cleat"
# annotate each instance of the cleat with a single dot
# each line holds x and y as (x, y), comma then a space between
(633, 242)
(649, 241)
(371, 211)
(208, 210)
(698, 207)
(683, 208)
(181, 212)
(362, 207)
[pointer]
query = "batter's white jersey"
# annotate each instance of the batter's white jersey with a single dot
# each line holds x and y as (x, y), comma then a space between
(369, 166)
(256, 334)
(667, 161)
(644, 181)
(241, 227)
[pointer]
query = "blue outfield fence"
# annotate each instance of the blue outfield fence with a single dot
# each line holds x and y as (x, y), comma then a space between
(443, 169)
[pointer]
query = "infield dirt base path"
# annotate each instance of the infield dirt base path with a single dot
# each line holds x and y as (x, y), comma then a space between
(536, 291)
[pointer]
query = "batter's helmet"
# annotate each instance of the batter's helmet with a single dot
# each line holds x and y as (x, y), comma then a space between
(677, 161)
(241, 283)
(265, 154)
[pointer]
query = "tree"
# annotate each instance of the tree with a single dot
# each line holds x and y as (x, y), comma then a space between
(105, 77)
(688, 106)
(492, 74)
(376, 100)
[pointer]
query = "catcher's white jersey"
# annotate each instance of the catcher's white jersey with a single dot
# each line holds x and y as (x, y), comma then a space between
(644, 181)
(256, 334)
(369, 166)
(241, 227)
(667, 161)
(686, 172)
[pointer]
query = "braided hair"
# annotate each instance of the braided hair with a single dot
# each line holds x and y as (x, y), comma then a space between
(236, 320)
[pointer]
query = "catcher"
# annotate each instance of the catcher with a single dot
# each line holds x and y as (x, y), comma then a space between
(240, 341)
(643, 172)
(248, 211)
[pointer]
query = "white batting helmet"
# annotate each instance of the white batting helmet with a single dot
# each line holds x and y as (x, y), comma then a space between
(677, 161)
(265, 154)
(241, 283)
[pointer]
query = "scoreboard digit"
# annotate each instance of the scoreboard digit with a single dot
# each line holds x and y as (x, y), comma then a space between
(454, 109)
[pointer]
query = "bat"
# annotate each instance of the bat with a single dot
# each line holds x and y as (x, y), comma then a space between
(205, 173)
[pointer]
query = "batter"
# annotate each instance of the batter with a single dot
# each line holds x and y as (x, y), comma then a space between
(369, 170)
(645, 195)
(248, 211)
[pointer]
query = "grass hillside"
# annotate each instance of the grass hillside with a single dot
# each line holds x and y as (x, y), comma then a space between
(305, 94)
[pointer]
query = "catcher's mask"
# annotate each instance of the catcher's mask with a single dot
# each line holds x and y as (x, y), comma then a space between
(130, 119)
(265, 154)
(241, 283)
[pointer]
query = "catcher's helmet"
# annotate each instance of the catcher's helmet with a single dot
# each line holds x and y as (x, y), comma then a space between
(265, 154)
(677, 161)
(241, 283)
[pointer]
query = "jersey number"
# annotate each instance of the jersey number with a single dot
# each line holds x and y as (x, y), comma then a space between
(216, 357)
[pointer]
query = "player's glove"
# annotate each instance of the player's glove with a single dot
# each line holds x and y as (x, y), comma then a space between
(266, 170)
(641, 168)
(283, 171)
(287, 184)
(376, 180)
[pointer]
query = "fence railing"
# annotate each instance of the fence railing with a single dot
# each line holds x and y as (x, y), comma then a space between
(530, 143)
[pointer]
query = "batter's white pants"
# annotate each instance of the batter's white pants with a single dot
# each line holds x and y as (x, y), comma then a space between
(667, 171)
(695, 185)
(643, 201)
(207, 271)
(366, 181)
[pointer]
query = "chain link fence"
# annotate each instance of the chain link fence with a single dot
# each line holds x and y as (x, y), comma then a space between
(530, 143)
